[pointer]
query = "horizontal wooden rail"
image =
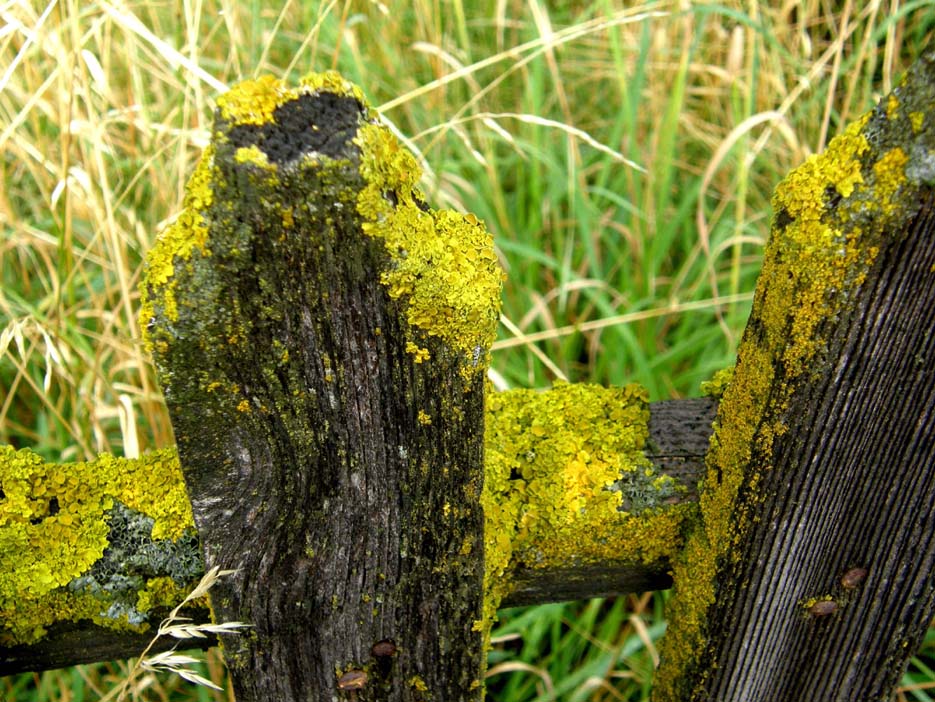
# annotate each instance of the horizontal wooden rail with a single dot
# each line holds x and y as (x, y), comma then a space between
(678, 437)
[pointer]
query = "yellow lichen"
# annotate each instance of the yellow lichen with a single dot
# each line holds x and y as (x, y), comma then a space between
(890, 172)
(254, 101)
(817, 256)
(419, 354)
(332, 82)
(567, 482)
(822, 253)
(176, 242)
(892, 106)
(254, 155)
(417, 684)
(54, 527)
(717, 385)
(443, 262)
(569, 446)
(160, 592)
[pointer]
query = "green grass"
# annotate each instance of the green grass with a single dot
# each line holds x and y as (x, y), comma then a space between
(623, 155)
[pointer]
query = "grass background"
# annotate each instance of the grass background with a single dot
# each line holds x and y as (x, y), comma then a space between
(623, 154)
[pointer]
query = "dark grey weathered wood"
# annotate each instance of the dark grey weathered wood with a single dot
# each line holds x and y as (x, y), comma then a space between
(76, 643)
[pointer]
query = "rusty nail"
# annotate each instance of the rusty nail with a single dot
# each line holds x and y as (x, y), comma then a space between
(853, 578)
(352, 680)
(383, 649)
(823, 608)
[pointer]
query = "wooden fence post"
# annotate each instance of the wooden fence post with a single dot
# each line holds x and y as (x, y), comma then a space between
(321, 338)
(812, 573)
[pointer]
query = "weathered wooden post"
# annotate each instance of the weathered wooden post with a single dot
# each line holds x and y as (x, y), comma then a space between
(322, 338)
(812, 575)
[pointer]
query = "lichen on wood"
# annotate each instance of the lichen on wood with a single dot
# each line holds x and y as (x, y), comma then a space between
(321, 337)
(105, 540)
(675, 447)
(569, 484)
(832, 217)
(307, 308)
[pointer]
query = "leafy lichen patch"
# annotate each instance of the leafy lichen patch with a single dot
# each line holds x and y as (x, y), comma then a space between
(832, 215)
(565, 473)
(442, 262)
(253, 101)
(561, 466)
(717, 385)
(187, 232)
(63, 528)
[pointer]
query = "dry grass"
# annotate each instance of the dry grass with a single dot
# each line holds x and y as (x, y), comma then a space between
(623, 154)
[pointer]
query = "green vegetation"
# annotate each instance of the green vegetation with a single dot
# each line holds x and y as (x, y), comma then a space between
(624, 157)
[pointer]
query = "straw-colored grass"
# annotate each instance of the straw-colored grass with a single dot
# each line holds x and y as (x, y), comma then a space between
(623, 154)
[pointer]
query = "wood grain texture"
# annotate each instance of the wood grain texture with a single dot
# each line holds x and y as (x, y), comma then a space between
(852, 487)
(812, 575)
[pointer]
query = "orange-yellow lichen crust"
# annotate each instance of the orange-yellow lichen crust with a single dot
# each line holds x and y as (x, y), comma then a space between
(443, 262)
(567, 483)
(55, 523)
(831, 215)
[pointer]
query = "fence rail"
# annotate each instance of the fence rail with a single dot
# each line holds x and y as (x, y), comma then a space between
(678, 438)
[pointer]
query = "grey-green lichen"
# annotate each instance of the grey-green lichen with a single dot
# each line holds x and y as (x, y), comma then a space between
(91, 540)
(832, 215)
(568, 483)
